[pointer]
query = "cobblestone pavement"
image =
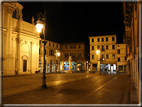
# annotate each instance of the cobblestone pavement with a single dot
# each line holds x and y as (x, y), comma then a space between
(76, 88)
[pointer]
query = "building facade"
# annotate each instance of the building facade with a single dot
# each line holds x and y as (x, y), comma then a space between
(20, 42)
(52, 59)
(112, 56)
(77, 52)
(131, 37)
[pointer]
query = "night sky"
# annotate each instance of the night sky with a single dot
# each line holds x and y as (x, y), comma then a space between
(80, 20)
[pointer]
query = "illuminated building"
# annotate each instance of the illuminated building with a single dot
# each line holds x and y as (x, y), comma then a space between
(112, 55)
(20, 42)
(77, 51)
(132, 20)
(51, 59)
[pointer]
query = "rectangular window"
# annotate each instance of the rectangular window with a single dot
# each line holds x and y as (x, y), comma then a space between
(80, 55)
(113, 56)
(79, 46)
(92, 56)
(118, 51)
(66, 46)
(49, 44)
(102, 55)
(92, 40)
(113, 39)
(57, 46)
(125, 58)
(92, 47)
(106, 38)
(102, 39)
(53, 45)
(102, 48)
(107, 56)
(106, 46)
(98, 39)
(113, 46)
(98, 47)
(118, 59)
(39, 51)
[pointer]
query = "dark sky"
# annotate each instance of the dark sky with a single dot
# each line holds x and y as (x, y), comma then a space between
(67, 20)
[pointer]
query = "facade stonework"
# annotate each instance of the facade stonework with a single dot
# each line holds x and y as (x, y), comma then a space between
(131, 38)
(20, 42)
(112, 56)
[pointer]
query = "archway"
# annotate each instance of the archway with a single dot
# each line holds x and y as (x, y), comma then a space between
(79, 66)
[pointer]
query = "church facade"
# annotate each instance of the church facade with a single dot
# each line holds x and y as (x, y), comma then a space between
(20, 42)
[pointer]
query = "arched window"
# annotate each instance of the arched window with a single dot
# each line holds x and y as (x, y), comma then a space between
(14, 14)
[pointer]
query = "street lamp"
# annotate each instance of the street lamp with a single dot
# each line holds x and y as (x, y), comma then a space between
(42, 20)
(57, 55)
(98, 59)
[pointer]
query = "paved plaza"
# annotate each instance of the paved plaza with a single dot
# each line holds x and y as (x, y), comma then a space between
(75, 88)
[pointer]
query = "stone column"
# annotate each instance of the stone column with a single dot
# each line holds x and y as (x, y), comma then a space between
(58, 65)
(62, 65)
(98, 66)
(55, 66)
(69, 71)
(103, 67)
(91, 67)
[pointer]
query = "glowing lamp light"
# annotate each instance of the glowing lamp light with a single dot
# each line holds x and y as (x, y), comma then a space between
(97, 51)
(58, 53)
(39, 27)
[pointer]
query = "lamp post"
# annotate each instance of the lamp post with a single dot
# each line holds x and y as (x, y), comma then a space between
(98, 59)
(57, 55)
(42, 20)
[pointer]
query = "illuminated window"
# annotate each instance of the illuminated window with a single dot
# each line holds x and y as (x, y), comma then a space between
(106, 46)
(112, 38)
(92, 56)
(107, 56)
(92, 47)
(102, 39)
(113, 46)
(113, 56)
(92, 40)
(98, 39)
(106, 38)
(118, 51)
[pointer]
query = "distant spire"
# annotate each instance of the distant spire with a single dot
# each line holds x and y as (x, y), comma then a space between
(33, 19)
